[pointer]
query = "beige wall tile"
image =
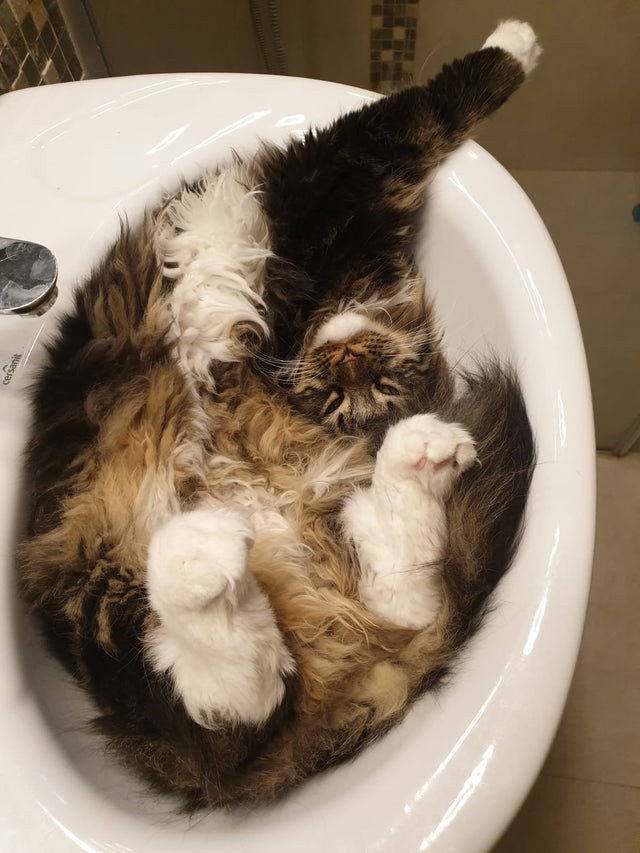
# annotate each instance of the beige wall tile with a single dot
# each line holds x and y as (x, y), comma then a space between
(164, 36)
(588, 215)
(327, 39)
(581, 107)
(598, 736)
(574, 816)
(587, 799)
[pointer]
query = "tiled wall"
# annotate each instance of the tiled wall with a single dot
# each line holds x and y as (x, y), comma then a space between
(393, 44)
(35, 47)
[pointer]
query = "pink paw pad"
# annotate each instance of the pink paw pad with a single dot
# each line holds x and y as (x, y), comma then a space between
(437, 466)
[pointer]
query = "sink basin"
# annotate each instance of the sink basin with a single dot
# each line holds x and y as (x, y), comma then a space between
(74, 158)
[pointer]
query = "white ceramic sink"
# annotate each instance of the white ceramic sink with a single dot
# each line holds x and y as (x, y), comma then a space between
(73, 159)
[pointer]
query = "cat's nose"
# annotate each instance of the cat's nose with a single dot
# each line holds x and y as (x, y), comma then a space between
(351, 369)
(349, 355)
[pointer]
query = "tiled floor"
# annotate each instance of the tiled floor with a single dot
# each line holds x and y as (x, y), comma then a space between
(587, 799)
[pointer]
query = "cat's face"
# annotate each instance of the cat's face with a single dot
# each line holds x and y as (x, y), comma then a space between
(356, 372)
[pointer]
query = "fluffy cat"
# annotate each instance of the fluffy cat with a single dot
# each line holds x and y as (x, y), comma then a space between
(257, 530)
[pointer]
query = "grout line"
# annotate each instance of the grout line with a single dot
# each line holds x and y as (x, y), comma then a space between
(591, 781)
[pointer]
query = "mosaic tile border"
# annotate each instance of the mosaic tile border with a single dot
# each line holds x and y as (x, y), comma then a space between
(393, 43)
(35, 46)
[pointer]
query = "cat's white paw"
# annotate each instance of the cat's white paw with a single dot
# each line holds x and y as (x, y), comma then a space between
(425, 449)
(197, 557)
(217, 635)
(518, 39)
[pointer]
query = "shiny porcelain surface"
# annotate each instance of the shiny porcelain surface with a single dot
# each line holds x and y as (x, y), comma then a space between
(75, 157)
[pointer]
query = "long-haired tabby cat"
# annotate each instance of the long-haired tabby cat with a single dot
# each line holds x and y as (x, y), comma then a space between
(257, 530)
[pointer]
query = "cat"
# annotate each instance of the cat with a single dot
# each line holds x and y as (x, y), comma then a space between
(263, 513)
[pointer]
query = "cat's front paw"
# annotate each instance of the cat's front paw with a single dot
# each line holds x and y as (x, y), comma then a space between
(518, 39)
(427, 450)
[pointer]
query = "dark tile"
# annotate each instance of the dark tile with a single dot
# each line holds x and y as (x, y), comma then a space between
(397, 55)
(57, 21)
(376, 9)
(29, 30)
(8, 63)
(8, 23)
(375, 54)
(399, 22)
(5, 83)
(66, 44)
(58, 60)
(38, 53)
(386, 33)
(30, 71)
(75, 68)
(18, 46)
(387, 20)
(398, 44)
(66, 76)
(409, 56)
(386, 45)
(48, 37)
(50, 4)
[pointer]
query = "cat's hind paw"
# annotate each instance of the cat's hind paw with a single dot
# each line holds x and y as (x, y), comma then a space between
(196, 558)
(518, 39)
(217, 636)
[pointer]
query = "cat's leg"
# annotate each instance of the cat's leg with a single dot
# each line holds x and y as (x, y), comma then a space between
(343, 200)
(217, 636)
(398, 525)
(213, 241)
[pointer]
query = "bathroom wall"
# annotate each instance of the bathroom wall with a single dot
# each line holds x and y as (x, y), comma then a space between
(328, 39)
(35, 45)
(368, 44)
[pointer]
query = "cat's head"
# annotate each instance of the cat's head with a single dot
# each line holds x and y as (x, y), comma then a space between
(356, 371)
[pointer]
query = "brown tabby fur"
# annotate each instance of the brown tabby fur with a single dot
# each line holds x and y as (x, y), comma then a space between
(121, 442)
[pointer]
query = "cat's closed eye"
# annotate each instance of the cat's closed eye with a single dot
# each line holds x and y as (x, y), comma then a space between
(385, 387)
(335, 401)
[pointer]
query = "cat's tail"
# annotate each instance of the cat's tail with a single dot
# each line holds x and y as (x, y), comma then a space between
(445, 112)
(486, 511)
(343, 202)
